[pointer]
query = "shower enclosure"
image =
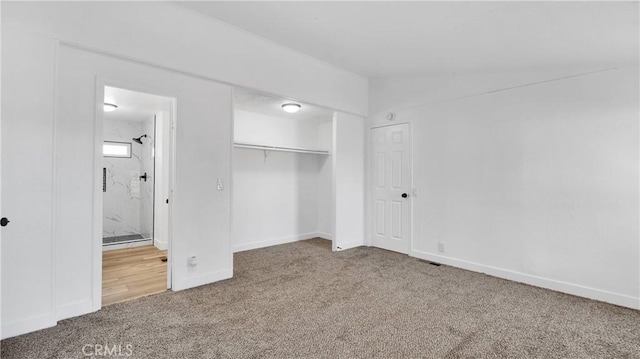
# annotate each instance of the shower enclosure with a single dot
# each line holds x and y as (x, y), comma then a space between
(128, 182)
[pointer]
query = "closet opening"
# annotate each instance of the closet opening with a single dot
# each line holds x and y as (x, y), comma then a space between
(135, 194)
(282, 172)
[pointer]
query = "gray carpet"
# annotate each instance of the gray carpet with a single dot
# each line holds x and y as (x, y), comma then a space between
(300, 300)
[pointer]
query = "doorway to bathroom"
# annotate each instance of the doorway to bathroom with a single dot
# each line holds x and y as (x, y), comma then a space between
(135, 191)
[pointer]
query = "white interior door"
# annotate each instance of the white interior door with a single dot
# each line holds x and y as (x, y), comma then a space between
(391, 182)
(27, 133)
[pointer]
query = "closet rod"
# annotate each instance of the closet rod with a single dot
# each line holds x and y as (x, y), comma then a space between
(283, 149)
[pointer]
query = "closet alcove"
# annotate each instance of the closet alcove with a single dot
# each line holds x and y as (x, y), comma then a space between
(282, 172)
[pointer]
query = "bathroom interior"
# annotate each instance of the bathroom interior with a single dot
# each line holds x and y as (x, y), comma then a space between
(128, 175)
(135, 188)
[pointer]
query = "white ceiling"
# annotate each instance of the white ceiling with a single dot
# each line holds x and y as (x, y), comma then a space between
(138, 106)
(132, 105)
(272, 105)
(385, 38)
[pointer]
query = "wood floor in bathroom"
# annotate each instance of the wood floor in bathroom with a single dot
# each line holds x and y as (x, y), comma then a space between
(132, 273)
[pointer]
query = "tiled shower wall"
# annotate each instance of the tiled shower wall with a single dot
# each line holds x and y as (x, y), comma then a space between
(127, 200)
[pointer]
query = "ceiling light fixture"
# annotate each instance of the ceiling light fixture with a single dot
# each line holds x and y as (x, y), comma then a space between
(291, 107)
(109, 107)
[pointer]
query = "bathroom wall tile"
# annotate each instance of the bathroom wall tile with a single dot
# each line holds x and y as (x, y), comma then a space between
(122, 206)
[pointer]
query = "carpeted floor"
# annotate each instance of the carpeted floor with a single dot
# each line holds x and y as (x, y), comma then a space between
(300, 300)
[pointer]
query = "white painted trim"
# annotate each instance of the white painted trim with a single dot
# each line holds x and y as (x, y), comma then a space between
(369, 168)
(160, 245)
(186, 283)
(54, 182)
(564, 287)
(368, 187)
(75, 309)
(273, 242)
(349, 245)
(28, 325)
(173, 119)
(100, 83)
(334, 148)
(232, 134)
(323, 235)
(98, 207)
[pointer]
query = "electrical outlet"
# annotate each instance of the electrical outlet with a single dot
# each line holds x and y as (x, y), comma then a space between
(220, 184)
(192, 261)
(441, 247)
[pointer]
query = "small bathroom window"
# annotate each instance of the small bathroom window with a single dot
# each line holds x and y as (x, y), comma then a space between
(116, 149)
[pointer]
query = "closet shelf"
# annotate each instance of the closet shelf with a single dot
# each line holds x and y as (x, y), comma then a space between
(276, 148)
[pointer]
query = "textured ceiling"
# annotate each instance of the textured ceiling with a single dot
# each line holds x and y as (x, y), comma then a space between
(383, 38)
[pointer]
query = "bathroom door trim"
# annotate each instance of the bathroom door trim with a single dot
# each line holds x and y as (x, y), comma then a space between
(98, 208)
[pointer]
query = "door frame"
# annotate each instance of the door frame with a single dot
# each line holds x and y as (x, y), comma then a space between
(369, 182)
(100, 83)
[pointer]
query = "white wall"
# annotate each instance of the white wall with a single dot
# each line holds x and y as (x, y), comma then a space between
(280, 197)
(537, 184)
(193, 43)
(275, 199)
(325, 183)
(396, 93)
(187, 43)
(200, 214)
(256, 128)
(348, 181)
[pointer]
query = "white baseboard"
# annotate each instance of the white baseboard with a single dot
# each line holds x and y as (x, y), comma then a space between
(27, 325)
(273, 242)
(191, 282)
(349, 245)
(564, 287)
(324, 235)
(74, 309)
(160, 245)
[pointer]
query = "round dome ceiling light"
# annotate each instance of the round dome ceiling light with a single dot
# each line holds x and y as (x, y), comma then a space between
(109, 107)
(291, 107)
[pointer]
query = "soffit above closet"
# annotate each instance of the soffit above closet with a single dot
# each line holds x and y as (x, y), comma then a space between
(407, 38)
(252, 101)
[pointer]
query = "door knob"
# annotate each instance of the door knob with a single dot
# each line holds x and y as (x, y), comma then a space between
(4, 221)
(404, 195)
